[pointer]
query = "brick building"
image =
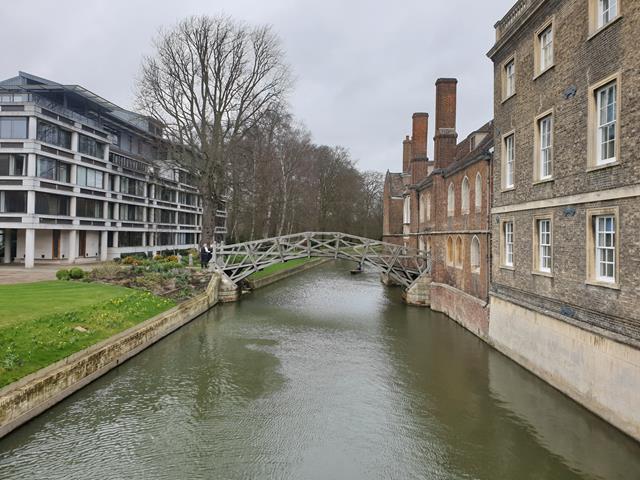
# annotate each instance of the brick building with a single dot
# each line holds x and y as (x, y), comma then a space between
(566, 199)
(445, 209)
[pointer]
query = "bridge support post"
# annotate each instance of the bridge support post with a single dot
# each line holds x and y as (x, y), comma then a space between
(227, 290)
(419, 293)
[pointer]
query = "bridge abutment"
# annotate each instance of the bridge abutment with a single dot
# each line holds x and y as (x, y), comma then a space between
(419, 294)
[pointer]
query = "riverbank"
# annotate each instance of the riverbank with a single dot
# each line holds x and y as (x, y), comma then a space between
(28, 397)
(43, 322)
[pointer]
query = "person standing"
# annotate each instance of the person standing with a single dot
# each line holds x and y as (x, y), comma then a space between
(205, 256)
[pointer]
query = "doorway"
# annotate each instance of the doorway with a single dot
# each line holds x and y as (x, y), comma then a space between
(82, 243)
(55, 244)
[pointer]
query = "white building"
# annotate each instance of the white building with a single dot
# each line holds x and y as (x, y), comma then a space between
(79, 179)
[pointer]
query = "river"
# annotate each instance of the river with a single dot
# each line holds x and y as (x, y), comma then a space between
(322, 376)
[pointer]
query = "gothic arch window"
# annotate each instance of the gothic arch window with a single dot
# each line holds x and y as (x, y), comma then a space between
(478, 192)
(451, 200)
(459, 252)
(465, 195)
(475, 254)
(450, 254)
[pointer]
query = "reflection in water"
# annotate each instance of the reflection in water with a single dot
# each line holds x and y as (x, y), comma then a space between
(324, 375)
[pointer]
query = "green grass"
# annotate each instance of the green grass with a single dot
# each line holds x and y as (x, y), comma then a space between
(38, 321)
(279, 267)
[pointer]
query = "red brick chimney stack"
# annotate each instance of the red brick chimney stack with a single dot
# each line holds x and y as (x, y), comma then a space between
(419, 169)
(446, 138)
(406, 155)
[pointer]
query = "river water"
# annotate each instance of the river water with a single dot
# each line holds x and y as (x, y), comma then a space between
(322, 376)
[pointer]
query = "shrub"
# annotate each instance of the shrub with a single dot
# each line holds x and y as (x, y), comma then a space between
(108, 271)
(171, 258)
(76, 273)
(130, 260)
(63, 274)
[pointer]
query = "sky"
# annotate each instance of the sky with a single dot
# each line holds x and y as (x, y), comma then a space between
(361, 68)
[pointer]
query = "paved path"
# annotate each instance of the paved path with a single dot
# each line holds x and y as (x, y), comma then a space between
(18, 274)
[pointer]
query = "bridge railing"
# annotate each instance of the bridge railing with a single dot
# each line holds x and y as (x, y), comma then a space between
(240, 260)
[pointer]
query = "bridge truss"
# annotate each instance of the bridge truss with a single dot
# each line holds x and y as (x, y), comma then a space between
(403, 265)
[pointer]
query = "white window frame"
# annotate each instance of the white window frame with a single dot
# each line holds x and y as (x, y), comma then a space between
(510, 78)
(509, 155)
(544, 245)
(546, 59)
(606, 125)
(507, 235)
(545, 147)
(605, 247)
(607, 12)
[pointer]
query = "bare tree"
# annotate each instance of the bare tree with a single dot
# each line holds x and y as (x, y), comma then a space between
(208, 82)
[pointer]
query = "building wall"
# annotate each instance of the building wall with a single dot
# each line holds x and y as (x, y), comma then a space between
(581, 60)
(581, 336)
(135, 167)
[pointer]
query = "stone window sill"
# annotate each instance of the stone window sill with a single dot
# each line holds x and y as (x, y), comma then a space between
(507, 189)
(597, 283)
(542, 274)
(593, 167)
(544, 180)
(507, 267)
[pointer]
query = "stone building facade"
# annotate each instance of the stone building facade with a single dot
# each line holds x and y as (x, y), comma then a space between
(81, 179)
(445, 203)
(566, 199)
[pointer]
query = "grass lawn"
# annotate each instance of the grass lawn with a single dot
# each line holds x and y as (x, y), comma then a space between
(279, 267)
(38, 321)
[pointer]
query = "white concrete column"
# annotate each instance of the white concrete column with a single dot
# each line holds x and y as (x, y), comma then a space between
(7, 246)
(29, 247)
(144, 239)
(72, 207)
(75, 137)
(73, 245)
(31, 202)
(31, 165)
(33, 128)
(73, 177)
(115, 239)
(103, 246)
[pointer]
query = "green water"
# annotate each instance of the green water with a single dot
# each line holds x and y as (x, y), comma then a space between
(322, 376)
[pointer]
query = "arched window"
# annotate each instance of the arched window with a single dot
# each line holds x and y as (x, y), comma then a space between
(428, 206)
(428, 244)
(459, 252)
(406, 214)
(451, 200)
(450, 251)
(465, 195)
(425, 207)
(478, 192)
(475, 254)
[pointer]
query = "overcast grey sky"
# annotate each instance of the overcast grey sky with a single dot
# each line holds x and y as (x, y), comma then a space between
(361, 67)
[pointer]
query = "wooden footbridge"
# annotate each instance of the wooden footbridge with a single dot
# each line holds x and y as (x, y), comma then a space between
(402, 265)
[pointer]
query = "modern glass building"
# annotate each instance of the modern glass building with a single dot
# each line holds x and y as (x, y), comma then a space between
(81, 179)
